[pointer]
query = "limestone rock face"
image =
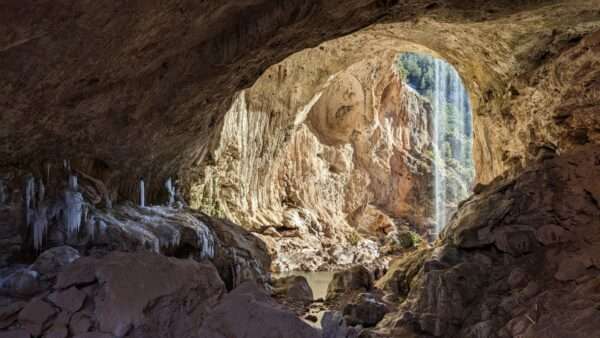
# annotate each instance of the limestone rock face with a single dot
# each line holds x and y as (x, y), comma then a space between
(520, 258)
(309, 177)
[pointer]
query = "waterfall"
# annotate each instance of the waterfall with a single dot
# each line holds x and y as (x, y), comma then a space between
(451, 142)
(439, 100)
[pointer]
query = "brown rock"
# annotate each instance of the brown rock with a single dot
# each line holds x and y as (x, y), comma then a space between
(8, 313)
(71, 300)
(93, 335)
(57, 332)
(139, 295)
(570, 269)
(249, 312)
(293, 288)
(81, 272)
(355, 279)
(15, 334)
(80, 323)
(52, 261)
(35, 315)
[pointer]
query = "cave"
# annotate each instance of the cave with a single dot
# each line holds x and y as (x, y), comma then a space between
(300, 169)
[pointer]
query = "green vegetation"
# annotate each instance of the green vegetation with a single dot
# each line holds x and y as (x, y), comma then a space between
(409, 239)
(353, 237)
(418, 71)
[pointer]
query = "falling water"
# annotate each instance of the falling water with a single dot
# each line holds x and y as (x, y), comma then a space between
(451, 130)
(453, 173)
(439, 99)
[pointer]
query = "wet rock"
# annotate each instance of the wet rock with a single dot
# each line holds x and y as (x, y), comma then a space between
(71, 300)
(21, 283)
(357, 278)
(570, 269)
(52, 261)
(35, 315)
(93, 335)
(82, 272)
(8, 313)
(80, 323)
(365, 311)
(295, 288)
(249, 312)
(57, 332)
(334, 326)
(138, 294)
(19, 333)
(240, 256)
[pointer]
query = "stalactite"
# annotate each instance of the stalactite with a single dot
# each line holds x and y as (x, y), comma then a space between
(142, 194)
(36, 211)
(171, 191)
(73, 207)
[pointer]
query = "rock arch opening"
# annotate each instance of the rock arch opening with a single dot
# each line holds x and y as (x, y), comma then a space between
(451, 129)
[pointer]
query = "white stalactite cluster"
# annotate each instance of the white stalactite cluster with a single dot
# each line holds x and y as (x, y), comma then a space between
(73, 207)
(156, 227)
(36, 210)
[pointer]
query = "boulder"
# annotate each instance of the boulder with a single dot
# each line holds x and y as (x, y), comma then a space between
(334, 326)
(366, 311)
(35, 315)
(357, 279)
(294, 288)
(71, 299)
(248, 312)
(19, 333)
(57, 332)
(21, 283)
(51, 261)
(138, 294)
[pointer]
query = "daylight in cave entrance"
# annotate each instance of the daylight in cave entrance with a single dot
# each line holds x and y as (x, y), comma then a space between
(452, 137)
(300, 169)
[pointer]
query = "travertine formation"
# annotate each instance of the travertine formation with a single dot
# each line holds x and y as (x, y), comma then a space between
(353, 160)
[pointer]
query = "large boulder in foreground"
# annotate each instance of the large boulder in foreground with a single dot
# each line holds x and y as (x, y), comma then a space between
(147, 295)
(122, 294)
(248, 312)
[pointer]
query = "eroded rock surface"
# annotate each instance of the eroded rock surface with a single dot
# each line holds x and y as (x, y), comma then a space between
(520, 258)
(132, 294)
(321, 181)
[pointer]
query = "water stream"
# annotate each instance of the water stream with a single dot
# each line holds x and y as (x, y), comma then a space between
(451, 130)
